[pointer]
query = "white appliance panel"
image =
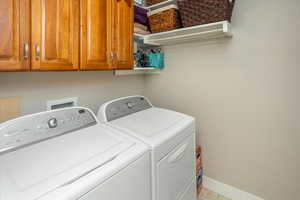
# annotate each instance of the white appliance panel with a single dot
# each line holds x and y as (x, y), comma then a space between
(150, 122)
(137, 187)
(176, 170)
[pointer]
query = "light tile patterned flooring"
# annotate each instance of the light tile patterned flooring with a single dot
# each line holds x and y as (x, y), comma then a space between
(210, 195)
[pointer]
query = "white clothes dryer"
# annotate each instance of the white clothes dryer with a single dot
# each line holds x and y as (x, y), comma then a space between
(169, 134)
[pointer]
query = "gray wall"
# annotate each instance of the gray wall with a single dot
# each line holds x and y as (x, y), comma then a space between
(92, 88)
(244, 94)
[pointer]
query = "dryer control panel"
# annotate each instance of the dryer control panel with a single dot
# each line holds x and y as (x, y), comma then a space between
(123, 107)
(35, 128)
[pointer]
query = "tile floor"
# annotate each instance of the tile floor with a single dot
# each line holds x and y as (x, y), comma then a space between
(210, 195)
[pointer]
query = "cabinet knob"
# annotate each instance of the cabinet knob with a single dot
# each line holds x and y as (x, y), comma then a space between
(110, 56)
(116, 56)
(37, 52)
(26, 51)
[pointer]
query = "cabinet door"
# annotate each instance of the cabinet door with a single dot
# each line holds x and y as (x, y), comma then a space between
(55, 34)
(123, 11)
(14, 35)
(96, 24)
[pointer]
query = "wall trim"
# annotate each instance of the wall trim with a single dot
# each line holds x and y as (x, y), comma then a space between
(227, 190)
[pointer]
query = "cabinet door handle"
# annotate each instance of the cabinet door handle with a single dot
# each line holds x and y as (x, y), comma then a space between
(110, 56)
(26, 51)
(116, 56)
(37, 52)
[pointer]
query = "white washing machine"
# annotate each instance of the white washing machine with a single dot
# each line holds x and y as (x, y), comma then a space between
(170, 135)
(68, 155)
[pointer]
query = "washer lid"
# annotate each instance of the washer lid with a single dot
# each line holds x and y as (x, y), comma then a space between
(35, 170)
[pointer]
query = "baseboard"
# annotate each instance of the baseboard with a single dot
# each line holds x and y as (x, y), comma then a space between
(227, 190)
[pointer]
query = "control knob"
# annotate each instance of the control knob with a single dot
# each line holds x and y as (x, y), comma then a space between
(52, 123)
(130, 105)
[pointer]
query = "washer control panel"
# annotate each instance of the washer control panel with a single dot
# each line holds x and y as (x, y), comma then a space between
(126, 106)
(35, 128)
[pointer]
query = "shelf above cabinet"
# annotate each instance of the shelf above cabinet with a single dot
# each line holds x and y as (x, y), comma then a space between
(137, 71)
(190, 34)
(162, 4)
(139, 36)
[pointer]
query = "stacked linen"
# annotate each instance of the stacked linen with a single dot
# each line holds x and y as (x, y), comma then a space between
(140, 29)
(141, 22)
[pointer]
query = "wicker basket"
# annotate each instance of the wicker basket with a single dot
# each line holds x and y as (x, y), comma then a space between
(197, 12)
(152, 2)
(164, 19)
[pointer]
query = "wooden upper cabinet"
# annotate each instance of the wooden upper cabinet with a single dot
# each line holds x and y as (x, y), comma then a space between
(55, 35)
(106, 34)
(14, 35)
(58, 35)
(96, 34)
(123, 21)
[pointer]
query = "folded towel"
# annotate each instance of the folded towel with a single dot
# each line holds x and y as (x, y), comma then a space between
(140, 26)
(140, 16)
(140, 31)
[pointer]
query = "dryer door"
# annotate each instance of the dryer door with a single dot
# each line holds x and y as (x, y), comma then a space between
(176, 171)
